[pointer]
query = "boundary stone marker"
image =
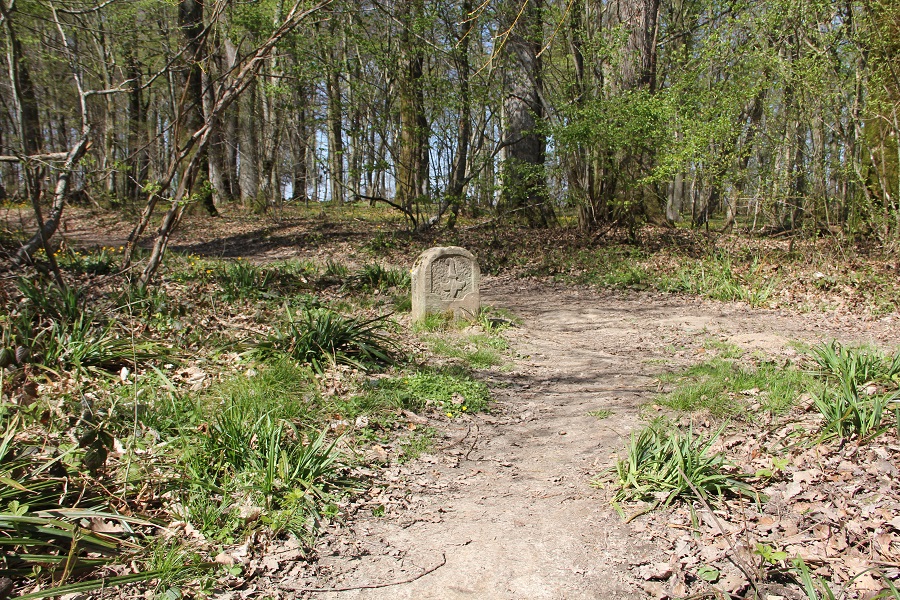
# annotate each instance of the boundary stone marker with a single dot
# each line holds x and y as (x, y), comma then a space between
(446, 279)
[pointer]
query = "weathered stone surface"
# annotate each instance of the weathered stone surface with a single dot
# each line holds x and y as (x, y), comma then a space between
(446, 279)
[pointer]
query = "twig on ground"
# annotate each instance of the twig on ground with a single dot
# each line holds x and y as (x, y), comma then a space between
(380, 585)
(733, 555)
(474, 441)
(460, 440)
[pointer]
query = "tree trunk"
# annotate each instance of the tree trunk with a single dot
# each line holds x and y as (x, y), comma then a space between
(636, 72)
(248, 147)
(299, 146)
(137, 136)
(334, 120)
(412, 155)
(190, 19)
(524, 195)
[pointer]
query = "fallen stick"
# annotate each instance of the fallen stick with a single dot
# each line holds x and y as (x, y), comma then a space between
(380, 585)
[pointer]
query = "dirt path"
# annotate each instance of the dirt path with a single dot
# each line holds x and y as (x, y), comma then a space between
(504, 507)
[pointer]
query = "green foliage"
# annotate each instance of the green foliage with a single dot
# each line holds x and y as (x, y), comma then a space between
(725, 386)
(817, 588)
(856, 366)
(601, 413)
(629, 122)
(382, 242)
(41, 537)
(49, 301)
(715, 278)
(375, 277)
(847, 413)
(494, 320)
(255, 449)
(336, 270)
(664, 464)
(451, 391)
(241, 279)
(56, 328)
(435, 322)
(419, 442)
(321, 335)
(477, 351)
(847, 410)
(98, 262)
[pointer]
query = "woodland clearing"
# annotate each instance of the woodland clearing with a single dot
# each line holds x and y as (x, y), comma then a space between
(456, 496)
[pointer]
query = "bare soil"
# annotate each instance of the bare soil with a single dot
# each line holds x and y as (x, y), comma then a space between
(504, 507)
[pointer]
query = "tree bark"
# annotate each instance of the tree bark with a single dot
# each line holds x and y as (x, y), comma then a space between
(248, 147)
(190, 19)
(524, 196)
(412, 154)
(334, 118)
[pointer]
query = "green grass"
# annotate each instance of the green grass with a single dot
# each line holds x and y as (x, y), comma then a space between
(451, 391)
(417, 443)
(663, 464)
(319, 336)
(376, 277)
(474, 350)
(601, 413)
(712, 275)
(65, 330)
(860, 385)
(726, 387)
(856, 365)
(434, 322)
(849, 413)
(101, 261)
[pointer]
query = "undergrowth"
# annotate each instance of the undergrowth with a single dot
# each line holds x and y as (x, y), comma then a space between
(230, 398)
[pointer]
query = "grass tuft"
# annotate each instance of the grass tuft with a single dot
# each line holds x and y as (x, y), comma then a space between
(664, 464)
(321, 336)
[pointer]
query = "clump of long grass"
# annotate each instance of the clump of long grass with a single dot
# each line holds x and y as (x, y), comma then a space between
(664, 464)
(856, 365)
(374, 276)
(321, 335)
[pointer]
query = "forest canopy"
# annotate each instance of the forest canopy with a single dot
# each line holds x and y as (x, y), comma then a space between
(782, 115)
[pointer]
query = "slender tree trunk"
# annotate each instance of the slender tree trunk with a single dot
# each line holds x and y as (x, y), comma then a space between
(299, 146)
(334, 118)
(221, 173)
(136, 174)
(248, 147)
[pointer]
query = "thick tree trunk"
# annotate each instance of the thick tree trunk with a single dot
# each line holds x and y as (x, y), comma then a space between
(524, 196)
(190, 19)
(412, 154)
(619, 198)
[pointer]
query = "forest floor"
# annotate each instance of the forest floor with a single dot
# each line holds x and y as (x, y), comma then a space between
(514, 503)
(505, 507)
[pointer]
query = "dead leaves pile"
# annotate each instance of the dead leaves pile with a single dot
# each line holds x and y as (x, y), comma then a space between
(834, 505)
